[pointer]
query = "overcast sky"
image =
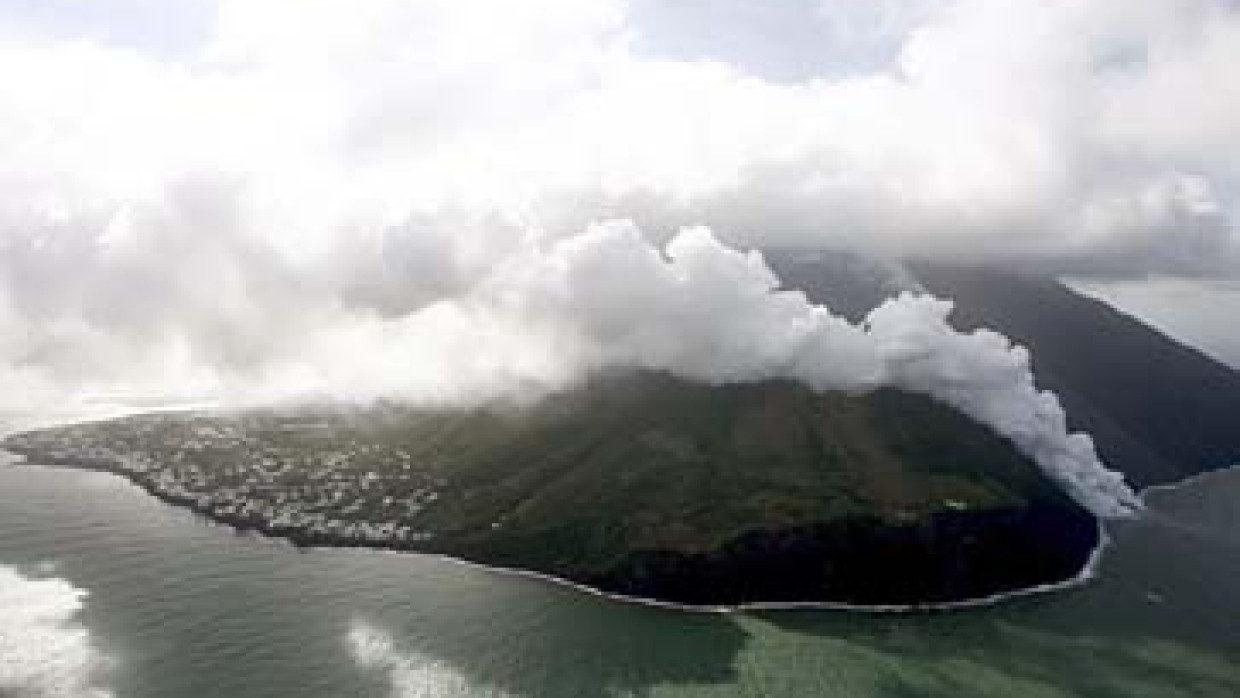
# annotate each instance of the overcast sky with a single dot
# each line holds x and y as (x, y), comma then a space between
(239, 189)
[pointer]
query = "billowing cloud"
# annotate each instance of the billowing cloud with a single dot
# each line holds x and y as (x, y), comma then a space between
(386, 196)
(1067, 134)
(44, 651)
(703, 311)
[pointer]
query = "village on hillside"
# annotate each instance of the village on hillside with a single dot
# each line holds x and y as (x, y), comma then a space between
(270, 473)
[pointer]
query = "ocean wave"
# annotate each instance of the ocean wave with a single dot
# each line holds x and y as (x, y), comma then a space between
(412, 674)
(45, 651)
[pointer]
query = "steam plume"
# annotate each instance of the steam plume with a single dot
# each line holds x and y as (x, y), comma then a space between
(709, 313)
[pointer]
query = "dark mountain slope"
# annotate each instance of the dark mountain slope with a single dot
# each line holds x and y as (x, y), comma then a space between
(849, 284)
(1159, 410)
(655, 487)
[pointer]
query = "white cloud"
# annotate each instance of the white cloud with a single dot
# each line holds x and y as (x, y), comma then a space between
(1049, 133)
(329, 180)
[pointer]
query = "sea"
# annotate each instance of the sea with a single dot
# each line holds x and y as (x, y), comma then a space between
(106, 592)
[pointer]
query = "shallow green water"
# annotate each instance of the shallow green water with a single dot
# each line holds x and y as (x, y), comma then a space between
(178, 607)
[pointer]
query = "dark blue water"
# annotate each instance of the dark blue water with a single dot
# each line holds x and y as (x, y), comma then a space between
(107, 592)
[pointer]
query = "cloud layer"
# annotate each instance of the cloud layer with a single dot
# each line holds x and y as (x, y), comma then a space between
(375, 157)
(387, 197)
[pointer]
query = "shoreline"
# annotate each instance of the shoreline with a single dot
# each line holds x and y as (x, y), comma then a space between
(1190, 480)
(1086, 574)
(302, 540)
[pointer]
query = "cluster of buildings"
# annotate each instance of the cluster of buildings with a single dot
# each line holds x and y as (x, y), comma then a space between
(278, 476)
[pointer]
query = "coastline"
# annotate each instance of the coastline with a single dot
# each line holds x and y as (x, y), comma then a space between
(1190, 480)
(1082, 577)
(302, 539)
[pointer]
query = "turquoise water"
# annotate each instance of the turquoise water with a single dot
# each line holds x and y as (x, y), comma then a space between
(107, 592)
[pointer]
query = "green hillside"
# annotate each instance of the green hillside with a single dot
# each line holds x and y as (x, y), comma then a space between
(652, 462)
(639, 484)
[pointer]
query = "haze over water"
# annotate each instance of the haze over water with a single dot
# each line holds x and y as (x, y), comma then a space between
(175, 606)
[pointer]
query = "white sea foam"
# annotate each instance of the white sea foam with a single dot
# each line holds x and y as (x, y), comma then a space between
(412, 675)
(45, 651)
